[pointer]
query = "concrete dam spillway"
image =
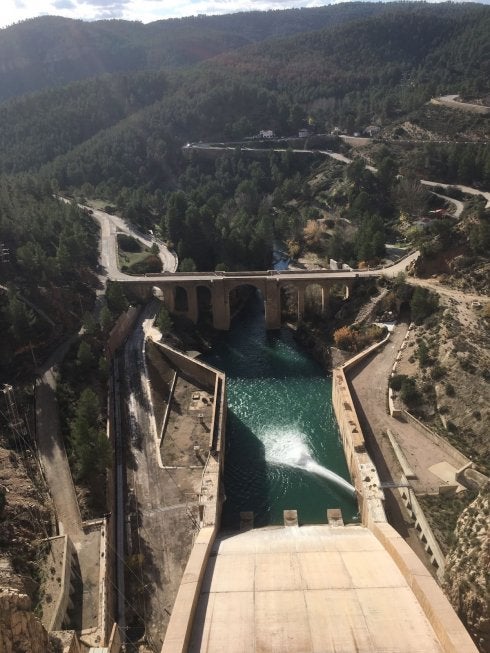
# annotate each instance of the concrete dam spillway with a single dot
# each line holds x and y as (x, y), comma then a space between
(294, 578)
(283, 449)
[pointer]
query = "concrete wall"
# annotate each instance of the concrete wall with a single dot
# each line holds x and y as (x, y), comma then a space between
(439, 441)
(180, 626)
(63, 600)
(122, 328)
(202, 374)
(115, 641)
(427, 537)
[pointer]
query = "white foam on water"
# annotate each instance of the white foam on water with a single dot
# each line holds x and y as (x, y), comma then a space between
(288, 448)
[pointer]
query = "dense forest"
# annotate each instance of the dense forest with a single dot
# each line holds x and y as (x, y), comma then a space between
(119, 136)
(48, 248)
(127, 130)
(53, 51)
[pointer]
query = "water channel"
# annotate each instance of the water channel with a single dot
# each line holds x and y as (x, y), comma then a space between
(283, 448)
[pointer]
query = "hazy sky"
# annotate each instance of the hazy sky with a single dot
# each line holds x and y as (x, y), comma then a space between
(12, 11)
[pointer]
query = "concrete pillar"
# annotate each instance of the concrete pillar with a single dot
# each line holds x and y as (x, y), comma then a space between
(192, 306)
(220, 302)
(348, 286)
(168, 292)
(301, 303)
(325, 296)
(272, 301)
(143, 291)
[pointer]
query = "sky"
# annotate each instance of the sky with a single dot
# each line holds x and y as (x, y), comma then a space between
(13, 11)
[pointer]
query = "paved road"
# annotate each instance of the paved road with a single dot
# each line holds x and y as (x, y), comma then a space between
(465, 189)
(52, 455)
(110, 225)
(452, 102)
(285, 275)
(342, 159)
(459, 206)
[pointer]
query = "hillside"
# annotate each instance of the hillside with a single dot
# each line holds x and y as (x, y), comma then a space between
(53, 51)
(129, 128)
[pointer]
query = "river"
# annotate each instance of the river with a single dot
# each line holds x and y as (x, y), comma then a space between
(283, 449)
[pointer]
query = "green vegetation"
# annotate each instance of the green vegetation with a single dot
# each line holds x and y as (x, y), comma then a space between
(442, 513)
(423, 304)
(357, 339)
(164, 322)
(135, 258)
(409, 392)
(91, 451)
(46, 274)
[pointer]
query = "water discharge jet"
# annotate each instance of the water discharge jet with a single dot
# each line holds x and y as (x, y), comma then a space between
(288, 448)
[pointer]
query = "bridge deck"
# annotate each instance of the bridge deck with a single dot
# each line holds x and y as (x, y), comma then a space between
(307, 589)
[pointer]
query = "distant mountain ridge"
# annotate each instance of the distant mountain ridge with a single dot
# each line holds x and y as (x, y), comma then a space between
(127, 129)
(52, 51)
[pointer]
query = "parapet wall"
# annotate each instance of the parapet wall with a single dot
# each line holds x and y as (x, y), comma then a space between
(204, 375)
(451, 633)
(361, 467)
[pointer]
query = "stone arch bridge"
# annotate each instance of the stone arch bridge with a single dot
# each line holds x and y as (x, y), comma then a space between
(221, 284)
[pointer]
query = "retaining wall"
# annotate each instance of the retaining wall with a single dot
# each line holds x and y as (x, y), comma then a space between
(181, 622)
(204, 375)
(362, 469)
(63, 600)
(122, 328)
(437, 557)
(439, 441)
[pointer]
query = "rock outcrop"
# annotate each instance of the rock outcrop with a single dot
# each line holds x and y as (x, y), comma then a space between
(20, 629)
(467, 571)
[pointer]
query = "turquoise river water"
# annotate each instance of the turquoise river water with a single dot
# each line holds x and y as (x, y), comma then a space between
(282, 438)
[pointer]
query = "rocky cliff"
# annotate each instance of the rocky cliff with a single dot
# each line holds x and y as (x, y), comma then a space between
(468, 569)
(20, 630)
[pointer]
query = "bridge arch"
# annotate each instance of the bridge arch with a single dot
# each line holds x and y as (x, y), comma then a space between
(190, 293)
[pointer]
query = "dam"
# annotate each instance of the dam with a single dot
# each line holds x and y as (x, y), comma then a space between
(293, 563)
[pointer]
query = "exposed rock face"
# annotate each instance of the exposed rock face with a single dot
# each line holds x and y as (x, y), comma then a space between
(467, 572)
(20, 630)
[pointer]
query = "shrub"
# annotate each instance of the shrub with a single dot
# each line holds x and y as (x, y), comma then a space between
(128, 243)
(438, 372)
(409, 392)
(344, 338)
(395, 382)
(423, 304)
(450, 391)
(149, 264)
(423, 354)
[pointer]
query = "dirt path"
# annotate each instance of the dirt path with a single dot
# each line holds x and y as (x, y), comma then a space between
(53, 458)
(52, 454)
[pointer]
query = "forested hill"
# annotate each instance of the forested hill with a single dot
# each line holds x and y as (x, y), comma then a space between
(52, 51)
(129, 128)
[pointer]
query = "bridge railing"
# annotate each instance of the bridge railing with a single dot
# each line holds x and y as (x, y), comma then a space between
(257, 273)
